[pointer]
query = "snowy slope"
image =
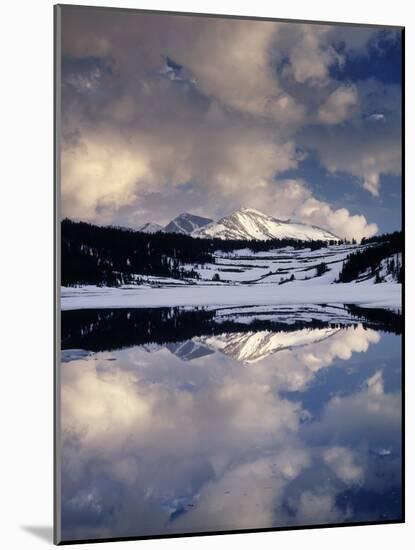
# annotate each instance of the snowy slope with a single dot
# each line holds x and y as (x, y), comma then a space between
(275, 266)
(250, 347)
(248, 223)
(389, 267)
(150, 227)
(188, 350)
(186, 223)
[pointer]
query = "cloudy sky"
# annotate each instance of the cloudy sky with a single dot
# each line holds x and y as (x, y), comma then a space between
(163, 114)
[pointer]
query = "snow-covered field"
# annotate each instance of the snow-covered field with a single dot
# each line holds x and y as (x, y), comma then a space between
(275, 266)
(387, 295)
(242, 277)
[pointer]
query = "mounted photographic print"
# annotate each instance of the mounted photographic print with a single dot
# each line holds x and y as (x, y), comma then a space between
(229, 271)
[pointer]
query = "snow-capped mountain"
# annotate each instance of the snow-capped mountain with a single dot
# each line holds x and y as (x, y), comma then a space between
(186, 223)
(248, 223)
(250, 347)
(150, 227)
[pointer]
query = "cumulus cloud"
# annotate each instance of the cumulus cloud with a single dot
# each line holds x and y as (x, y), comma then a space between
(153, 444)
(163, 112)
(342, 462)
(120, 431)
(295, 200)
(366, 150)
(342, 345)
(318, 508)
(121, 169)
(298, 367)
(340, 221)
(99, 176)
(372, 409)
(308, 59)
(248, 495)
(338, 105)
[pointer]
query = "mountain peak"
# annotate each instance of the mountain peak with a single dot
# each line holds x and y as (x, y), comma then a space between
(186, 223)
(251, 224)
(150, 228)
(248, 210)
(244, 208)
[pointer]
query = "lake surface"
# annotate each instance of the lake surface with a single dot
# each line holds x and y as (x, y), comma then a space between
(181, 420)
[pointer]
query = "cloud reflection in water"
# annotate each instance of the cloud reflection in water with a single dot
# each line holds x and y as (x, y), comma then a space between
(154, 443)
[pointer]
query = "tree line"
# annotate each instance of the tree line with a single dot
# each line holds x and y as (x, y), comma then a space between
(366, 262)
(108, 329)
(111, 256)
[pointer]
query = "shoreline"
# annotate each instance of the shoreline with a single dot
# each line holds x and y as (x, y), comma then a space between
(383, 295)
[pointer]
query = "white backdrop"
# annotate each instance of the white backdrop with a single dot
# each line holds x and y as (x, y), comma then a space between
(26, 294)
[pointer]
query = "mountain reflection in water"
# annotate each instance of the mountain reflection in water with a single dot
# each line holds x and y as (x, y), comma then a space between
(187, 420)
